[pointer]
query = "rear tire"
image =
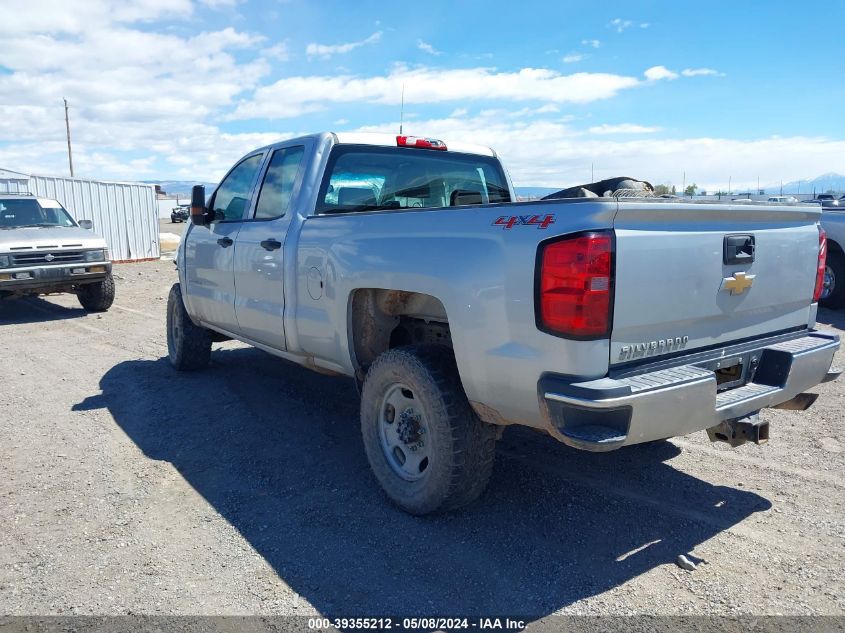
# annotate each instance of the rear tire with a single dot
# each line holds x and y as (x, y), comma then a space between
(834, 281)
(188, 344)
(425, 444)
(97, 297)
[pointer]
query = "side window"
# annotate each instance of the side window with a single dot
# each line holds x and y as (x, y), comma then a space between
(232, 196)
(277, 188)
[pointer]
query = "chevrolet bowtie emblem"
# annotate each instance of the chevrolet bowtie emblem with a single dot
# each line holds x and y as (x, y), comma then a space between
(739, 283)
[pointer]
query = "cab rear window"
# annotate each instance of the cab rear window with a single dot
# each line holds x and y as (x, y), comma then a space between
(366, 178)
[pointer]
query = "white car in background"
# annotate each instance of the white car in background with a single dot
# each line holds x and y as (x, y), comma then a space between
(43, 250)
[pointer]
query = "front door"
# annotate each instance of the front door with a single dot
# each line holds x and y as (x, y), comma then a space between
(259, 251)
(209, 250)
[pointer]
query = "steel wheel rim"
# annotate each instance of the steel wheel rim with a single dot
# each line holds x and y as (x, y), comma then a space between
(829, 282)
(404, 433)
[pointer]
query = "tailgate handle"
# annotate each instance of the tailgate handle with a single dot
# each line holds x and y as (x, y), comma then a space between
(739, 249)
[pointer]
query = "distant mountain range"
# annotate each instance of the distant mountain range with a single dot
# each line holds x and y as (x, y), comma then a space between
(820, 184)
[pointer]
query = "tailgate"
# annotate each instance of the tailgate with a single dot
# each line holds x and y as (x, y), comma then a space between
(684, 280)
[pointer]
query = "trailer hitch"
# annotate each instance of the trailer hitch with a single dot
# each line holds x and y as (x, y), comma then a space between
(738, 431)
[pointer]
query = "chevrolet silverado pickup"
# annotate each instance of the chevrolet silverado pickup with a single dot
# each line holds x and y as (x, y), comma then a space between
(43, 250)
(405, 264)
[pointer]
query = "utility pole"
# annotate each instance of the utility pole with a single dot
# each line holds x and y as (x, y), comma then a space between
(729, 184)
(69, 153)
(684, 186)
(592, 173)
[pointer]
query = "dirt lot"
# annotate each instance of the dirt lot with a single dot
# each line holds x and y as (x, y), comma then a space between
(128, 488)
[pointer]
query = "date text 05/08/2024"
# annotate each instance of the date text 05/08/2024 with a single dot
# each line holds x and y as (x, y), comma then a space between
(425, 623)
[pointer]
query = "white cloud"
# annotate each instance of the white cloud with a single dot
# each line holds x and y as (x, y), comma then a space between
(591, 43)
(137, 97)
(621, 25)
(567, 153)
(656, 73)
(571, 58)
(427, 48)
(696, 72)
(292, 96)
(623, 128)
(22, 17)
(279, 52)
(325, 51)
(219, 4)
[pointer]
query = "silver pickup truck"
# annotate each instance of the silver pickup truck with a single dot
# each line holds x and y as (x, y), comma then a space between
(404, 263)
(43, 250)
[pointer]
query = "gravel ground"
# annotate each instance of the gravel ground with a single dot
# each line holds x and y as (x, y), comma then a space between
(128, 488)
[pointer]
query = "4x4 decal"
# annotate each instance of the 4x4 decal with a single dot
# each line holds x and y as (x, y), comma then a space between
(508, 222)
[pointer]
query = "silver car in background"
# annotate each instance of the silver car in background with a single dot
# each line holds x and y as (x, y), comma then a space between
(43, 250)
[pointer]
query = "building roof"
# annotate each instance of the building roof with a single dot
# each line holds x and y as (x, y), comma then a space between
(12, 175)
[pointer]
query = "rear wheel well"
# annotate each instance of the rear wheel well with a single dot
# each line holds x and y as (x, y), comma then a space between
(383, 319)
(834, 247)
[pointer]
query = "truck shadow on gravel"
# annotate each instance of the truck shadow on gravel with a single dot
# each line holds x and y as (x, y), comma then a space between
(834, 318)
(276, 450)
(35, 310)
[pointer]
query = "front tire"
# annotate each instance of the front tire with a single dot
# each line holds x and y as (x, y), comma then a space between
(97, 297)
(833, 295)
(188, 344)
(425, 444)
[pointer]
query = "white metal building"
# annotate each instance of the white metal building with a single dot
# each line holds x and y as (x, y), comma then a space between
(124, 213)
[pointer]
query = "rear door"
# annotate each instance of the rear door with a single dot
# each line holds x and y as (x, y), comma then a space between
(259, 250)
(209, 250)
(693, 276)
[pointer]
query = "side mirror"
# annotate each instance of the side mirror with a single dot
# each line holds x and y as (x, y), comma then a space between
(199, 215)
(86, 224)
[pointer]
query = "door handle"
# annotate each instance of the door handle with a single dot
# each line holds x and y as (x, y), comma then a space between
(225, 242)
(271, 244)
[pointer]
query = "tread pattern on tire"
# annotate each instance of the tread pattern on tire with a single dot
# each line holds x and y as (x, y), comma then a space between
(97, 297)
(473, 441)
(193, 350)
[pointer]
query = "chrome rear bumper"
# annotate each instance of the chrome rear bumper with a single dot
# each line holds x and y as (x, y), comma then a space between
(608, 413)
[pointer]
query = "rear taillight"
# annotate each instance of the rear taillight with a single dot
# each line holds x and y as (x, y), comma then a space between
(575, 286)
(817, 294)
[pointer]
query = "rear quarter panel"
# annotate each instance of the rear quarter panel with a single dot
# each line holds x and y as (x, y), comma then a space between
(483, 274)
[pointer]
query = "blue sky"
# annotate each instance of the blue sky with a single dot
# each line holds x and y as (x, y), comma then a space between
(177, 89)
